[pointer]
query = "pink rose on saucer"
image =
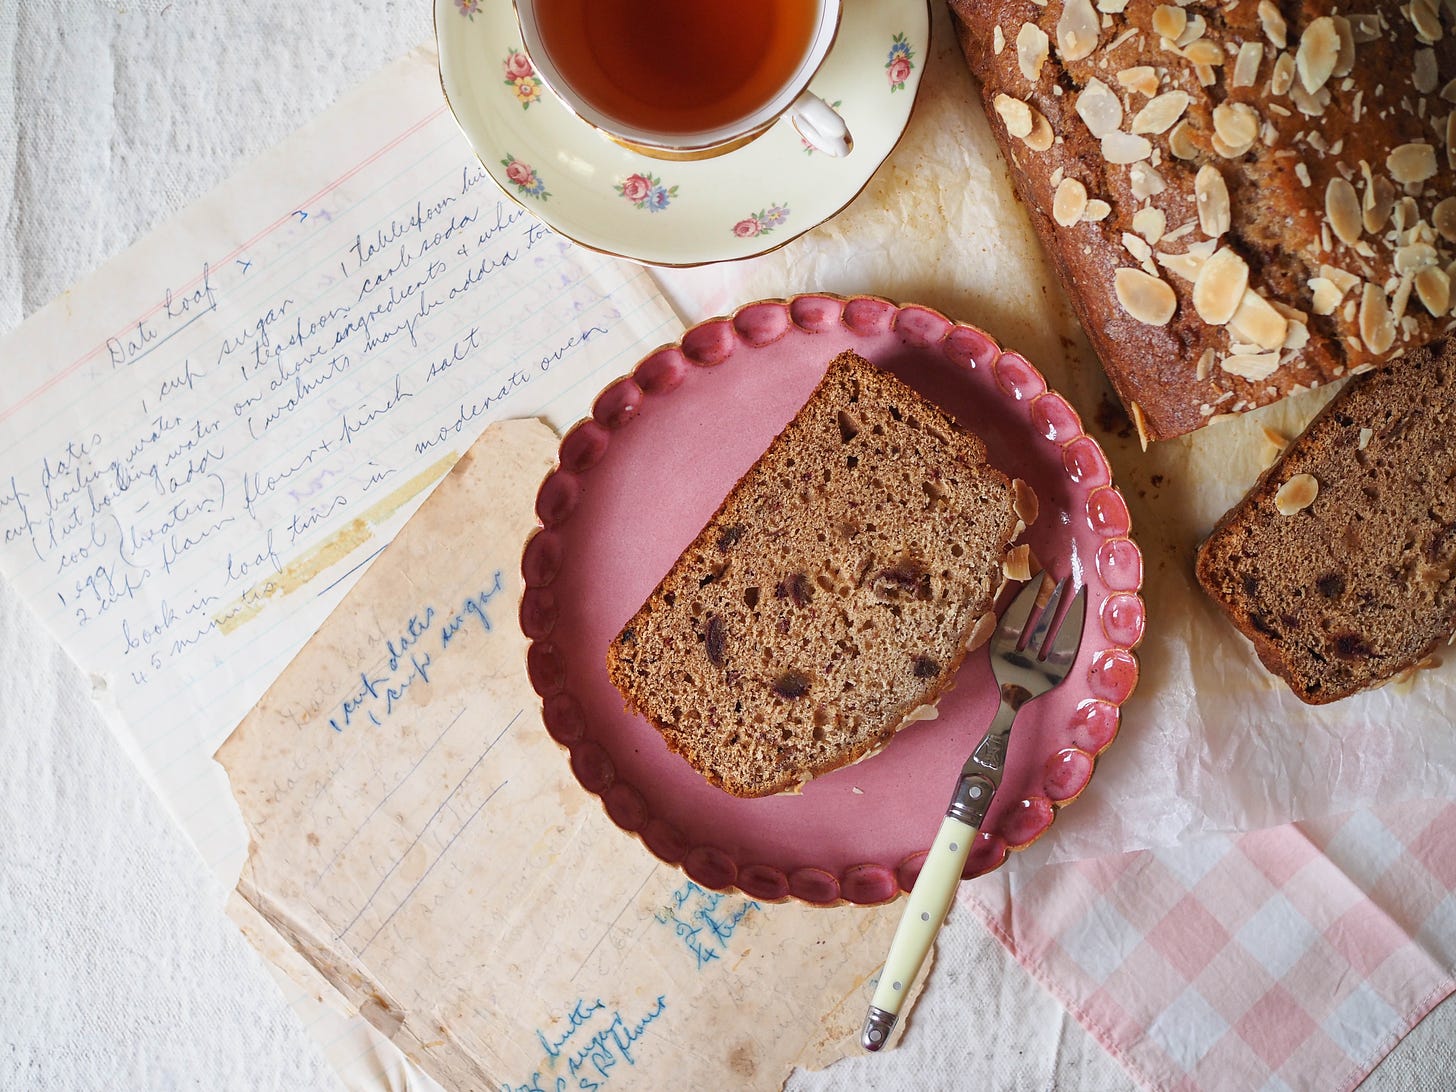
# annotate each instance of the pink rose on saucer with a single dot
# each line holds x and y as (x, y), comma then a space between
(899, 70)
(519, 173)
(636, 188)
(762, 222)
(518, 66)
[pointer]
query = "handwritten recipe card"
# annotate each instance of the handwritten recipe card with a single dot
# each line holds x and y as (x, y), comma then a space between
(202, 445)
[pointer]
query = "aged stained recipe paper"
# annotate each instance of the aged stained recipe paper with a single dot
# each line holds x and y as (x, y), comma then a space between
(420, 839)
(206, 442)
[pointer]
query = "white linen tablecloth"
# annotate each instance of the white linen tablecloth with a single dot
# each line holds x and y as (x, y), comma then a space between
(118, 966)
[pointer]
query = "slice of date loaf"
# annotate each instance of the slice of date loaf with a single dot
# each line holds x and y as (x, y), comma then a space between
(1339, 564)
(832, 595)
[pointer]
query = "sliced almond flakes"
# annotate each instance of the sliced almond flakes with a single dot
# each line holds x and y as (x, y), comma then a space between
(1069, 202)
(1342, 209)
(1219, 287)
(1297, 494)
(1146, 298)
(1161, 113)
(1433, 288)
(1411, 163)
(1032, 48)
(1077, 30)
(1319, 50)
(1211, 196)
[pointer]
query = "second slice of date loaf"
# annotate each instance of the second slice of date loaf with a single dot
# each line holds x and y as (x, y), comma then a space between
(1340, 564)
(834, 592)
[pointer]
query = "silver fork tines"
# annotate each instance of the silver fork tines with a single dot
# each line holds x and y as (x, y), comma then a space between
(1030, 654)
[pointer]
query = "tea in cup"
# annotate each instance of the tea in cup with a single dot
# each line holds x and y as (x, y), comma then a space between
(689, 79)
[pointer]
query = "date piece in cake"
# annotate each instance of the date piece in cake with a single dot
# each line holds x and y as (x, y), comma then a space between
(833, 594)
(1242, 200)
(1339, 564)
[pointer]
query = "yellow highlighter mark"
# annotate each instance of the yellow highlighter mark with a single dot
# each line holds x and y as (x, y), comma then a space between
(343, 542)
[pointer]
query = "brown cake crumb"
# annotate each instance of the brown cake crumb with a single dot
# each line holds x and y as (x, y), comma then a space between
(1339, 564)
(835, 591)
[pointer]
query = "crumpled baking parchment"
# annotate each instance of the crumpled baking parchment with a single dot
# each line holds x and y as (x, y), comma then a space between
(1209, 741)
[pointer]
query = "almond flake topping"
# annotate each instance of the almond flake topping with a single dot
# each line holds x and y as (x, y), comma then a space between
(1427, 22)
(1180, 142)
(1077, 30)
(1256, 321)
(1203, 52)
(1319, 49)
(1211, 194)
(1169, 21)
(1297, 494)
(1377, 325)
(1041, 137)
(1145, 181)
(1150, 223)
(1282, 78)
(1069, 202)
(1273, 23)
(1119, 147)
(1032, 47)
(1185, 266)
(1412, 163)
(1340, 278)
(1443, 218)
(1140, 78)
(1145, 297)
(1246, 66)
(1219, 288)
(1237, 125)
(1100, 108)
(1364, 441)
(1433, 286)
(1097, 210)
(1413, 257)
(1137, 246)
(1194, 30)
(1426, 77)
(1342, 209)
(998, 40)
(1379, 200)
(1253, 367)
(1327, 296)
(1161, 113)
(1015, 114)
(1345, 60)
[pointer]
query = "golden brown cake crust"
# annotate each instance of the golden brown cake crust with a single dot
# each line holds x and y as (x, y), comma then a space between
(1339, 564)
(1387, 88)
(834, 592)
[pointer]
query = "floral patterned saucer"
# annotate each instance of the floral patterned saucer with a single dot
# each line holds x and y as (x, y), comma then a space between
(688, 212)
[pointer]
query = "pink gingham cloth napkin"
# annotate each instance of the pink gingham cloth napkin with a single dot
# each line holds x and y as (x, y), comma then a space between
(1290, 958)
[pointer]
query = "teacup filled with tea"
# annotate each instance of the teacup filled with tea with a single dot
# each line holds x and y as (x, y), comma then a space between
(689, 79)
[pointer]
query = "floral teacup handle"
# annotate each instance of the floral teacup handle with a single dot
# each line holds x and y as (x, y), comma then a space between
(818, 124)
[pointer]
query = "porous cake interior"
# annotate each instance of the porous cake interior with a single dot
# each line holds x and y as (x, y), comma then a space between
(1358, 585)
(832, 593)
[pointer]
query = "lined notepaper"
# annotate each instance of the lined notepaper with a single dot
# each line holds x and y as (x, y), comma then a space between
(202, 446)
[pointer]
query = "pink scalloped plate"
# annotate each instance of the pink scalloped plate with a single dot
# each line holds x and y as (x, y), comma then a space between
(636, 482)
